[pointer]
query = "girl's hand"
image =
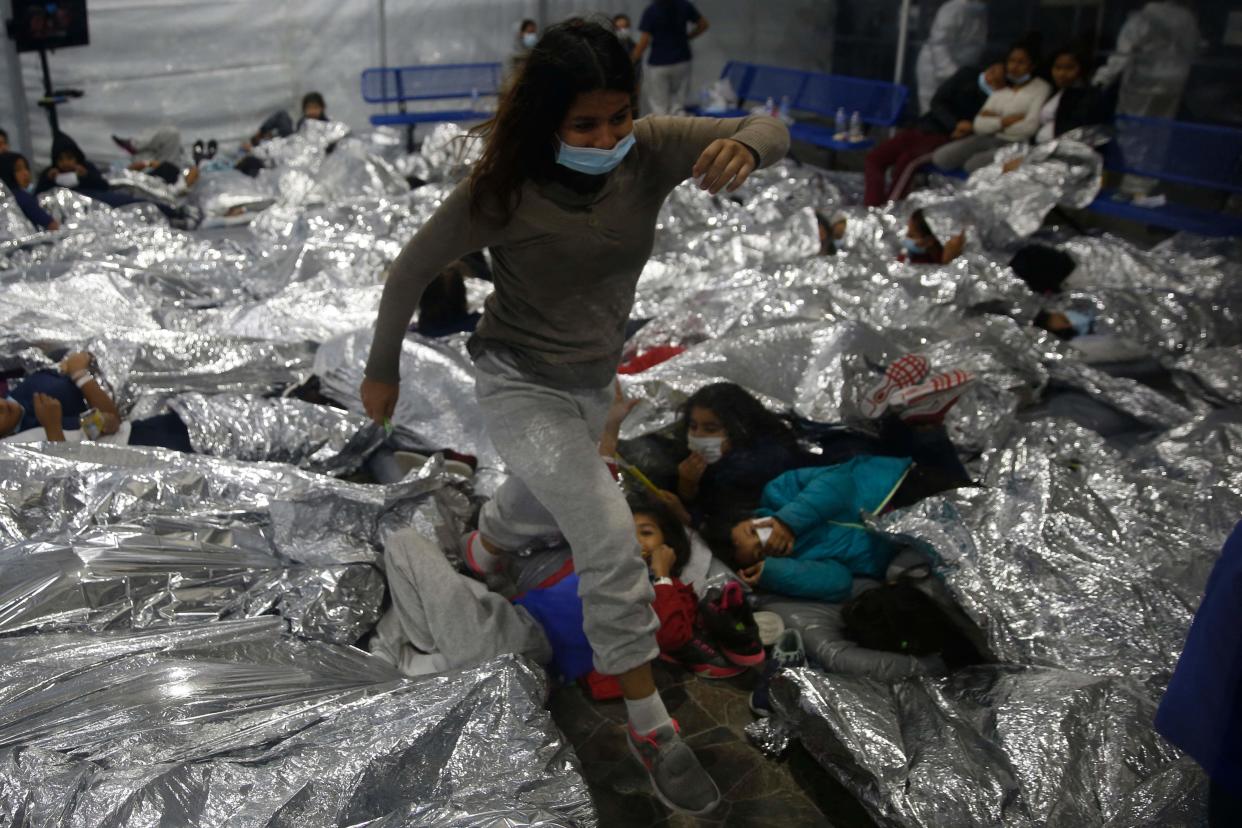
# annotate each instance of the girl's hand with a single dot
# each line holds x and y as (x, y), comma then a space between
(620, 408)
(1011, 165)
(751, 575)
(379, 399)
(987, 113)
(953, 247)
(724, 162)
(691, 469)
(77, 361)
(662, 560)
(781, 542)
(1010, 120)
(48, 411)
(962, 129)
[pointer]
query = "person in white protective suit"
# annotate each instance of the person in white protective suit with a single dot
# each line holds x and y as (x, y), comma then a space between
(958, 34)
(1155, 49)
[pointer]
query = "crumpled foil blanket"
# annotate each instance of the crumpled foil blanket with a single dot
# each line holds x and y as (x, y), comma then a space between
(234, 723)
(188, 616)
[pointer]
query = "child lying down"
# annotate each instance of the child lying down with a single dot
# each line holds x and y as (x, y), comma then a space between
(443, 620)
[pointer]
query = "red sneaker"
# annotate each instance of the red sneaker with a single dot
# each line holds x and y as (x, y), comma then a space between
(702, 659)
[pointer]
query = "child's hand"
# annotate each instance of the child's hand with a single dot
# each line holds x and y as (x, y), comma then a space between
(620, 408)
(781, 542)
(48, 411)
(1011, 165)
(953, 248)
(662, 560)
(691, 469)
(78, 361)
(751, 575)
(674, 504)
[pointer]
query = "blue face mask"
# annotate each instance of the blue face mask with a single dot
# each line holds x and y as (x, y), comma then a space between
(1018, 80)
(984, 85)
(594, 161)
(912, 247)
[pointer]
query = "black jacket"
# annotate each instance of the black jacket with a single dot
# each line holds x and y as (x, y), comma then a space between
(1082, 106)
(92, 180)
(957, 99)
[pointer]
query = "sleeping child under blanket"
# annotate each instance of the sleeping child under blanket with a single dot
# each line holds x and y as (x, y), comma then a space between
(807, 538)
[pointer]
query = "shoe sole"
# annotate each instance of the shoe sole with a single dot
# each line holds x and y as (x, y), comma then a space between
(709, 671)
(655, 789)
(875, 403)
(743, 660)
(758, 711)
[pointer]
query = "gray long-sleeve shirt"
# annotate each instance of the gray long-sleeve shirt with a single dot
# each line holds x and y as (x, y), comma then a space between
(565, 265)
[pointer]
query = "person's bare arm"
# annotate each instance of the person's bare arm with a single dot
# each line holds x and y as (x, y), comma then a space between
(700, 26)
(640, 48)
(49, 413)
(77, 367)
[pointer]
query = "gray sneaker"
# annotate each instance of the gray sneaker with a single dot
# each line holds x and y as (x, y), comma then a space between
(677, 777)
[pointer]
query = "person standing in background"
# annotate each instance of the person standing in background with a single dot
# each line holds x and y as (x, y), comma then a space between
(665, 27)
(621, 25)
(1155, 49)
(959, 33)
(527, 37)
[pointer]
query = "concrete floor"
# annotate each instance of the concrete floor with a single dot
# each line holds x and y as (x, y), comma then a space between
(758, 791)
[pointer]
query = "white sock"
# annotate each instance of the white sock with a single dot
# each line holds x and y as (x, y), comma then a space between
(485, 560)
(647, 714)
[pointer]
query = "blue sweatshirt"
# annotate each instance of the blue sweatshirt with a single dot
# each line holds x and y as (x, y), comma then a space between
(822, 507)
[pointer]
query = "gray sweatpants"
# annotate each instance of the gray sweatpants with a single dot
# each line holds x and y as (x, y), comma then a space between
(667, 88)
(442, 620)
(559, 486)
(969, 153)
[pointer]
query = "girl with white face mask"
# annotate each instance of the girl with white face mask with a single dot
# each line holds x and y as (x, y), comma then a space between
(566, 196)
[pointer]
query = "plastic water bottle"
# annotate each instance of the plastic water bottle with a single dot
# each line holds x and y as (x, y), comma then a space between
(474, 99)
(784, 110)
(770, 106)
(839, 132)
(856, 132)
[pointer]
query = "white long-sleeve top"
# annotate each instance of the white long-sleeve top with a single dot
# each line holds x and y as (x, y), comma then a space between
(1024, 100)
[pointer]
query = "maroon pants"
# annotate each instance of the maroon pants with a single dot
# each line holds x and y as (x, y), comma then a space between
(902, 153)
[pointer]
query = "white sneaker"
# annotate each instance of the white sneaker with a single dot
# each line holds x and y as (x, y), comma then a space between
(928, 402)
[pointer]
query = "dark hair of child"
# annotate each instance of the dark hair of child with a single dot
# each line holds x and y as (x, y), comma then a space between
(572, 58)
(717, 530)
(1043, 268)
(674, 533)
(900, 618)
(313, 98)
(746, 420)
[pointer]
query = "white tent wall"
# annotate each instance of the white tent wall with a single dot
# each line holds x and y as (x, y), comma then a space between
(217, 69)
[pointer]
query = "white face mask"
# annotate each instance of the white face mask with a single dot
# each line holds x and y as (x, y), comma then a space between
(764, 532)
(67, 179)
(623, 32)
(529, 39)
(712, 448)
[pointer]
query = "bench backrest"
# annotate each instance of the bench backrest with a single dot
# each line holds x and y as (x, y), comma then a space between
(877, 102)
(425, 83)
(1199, 154)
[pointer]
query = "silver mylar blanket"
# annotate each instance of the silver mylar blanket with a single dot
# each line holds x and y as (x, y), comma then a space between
(178, 625)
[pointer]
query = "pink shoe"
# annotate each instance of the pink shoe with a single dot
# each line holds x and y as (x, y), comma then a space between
(905, 372)
(927, 403)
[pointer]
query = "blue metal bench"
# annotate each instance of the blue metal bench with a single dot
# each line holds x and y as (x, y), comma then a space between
(878, 103)
(446, 82)
(1200, 155)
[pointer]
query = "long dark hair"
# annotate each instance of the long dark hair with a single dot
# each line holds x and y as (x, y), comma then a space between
(572, 58)
(670, 527)
(745, 419)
